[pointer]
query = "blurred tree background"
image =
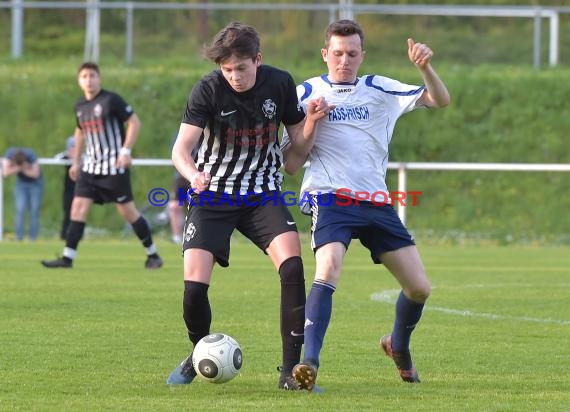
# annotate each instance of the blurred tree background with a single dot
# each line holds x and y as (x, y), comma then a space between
(503, 109)
(167, 33)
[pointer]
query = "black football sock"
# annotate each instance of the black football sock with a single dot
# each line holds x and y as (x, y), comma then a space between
(142, 230)
(197, 311)
(292, 310)
(72, 238)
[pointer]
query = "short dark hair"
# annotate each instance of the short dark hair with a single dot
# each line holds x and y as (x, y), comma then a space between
(343, 28)
(88, 66)
(19, 157)
(235, 39)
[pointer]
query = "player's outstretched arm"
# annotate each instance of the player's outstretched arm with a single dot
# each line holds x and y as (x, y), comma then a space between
(302, 135)
(188, 137)
(131, 135)
(78, 153)
(294, 153)
(436, 93)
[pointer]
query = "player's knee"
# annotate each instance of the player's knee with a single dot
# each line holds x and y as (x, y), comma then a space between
(291, 270)
(419, 293)
(195, 292)
(173, 206)
(79, 210)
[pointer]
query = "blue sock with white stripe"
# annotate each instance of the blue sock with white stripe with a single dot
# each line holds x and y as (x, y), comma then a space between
(318, 312)
(408, 314)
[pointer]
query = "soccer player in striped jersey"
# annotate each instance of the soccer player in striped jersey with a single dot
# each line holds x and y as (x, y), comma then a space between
(101, 164)
(348, 149)
(231, 124)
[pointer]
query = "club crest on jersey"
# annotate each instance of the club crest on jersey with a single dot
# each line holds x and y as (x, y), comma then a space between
(269, 108)
(97, 110)
(190, 232)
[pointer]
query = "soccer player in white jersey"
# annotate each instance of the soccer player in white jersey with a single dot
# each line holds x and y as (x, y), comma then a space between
(348, 149)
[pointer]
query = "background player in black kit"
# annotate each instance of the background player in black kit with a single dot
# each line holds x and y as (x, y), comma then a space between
(232, 118)
(103, 176)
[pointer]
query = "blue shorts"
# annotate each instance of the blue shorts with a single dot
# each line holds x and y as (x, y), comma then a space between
(379, 228)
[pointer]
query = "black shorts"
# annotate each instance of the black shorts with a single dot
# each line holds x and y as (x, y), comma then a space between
(179, 183)
(105, 188)
(210, 226)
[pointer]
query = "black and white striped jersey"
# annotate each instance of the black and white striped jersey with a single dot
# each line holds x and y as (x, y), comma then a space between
(240, 144)
(102, 122)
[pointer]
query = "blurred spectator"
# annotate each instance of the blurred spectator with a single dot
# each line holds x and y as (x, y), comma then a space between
(68, 185)
(176, 212)
(28, 190)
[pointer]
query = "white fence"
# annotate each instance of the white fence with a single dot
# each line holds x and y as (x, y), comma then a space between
(402, 168)
(343, 9)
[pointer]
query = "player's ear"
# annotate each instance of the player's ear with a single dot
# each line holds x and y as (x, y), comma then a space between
(258, 59)
(324, 54)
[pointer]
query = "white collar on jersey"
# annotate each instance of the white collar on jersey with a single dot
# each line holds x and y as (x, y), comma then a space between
(325, 78)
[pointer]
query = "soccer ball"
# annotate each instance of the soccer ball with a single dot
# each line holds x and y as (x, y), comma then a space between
(217, 358)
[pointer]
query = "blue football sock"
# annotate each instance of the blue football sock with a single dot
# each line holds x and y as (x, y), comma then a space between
(408, 314)
(318, 311)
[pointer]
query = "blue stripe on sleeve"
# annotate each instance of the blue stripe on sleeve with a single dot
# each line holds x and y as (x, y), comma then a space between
(369, 83)
(308, 90)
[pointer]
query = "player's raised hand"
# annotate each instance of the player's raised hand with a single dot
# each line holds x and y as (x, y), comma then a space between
(200, 181)
(124, 161)
(419, 53)
(73, 171)
(318, 108)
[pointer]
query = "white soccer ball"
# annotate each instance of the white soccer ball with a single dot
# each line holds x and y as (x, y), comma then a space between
(217, 358)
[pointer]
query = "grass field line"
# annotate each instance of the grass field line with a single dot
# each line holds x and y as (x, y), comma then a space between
(390, 296)
(517, 269)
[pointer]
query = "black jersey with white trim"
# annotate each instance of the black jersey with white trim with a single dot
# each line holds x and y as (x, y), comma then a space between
(240, 144)
(101, 120)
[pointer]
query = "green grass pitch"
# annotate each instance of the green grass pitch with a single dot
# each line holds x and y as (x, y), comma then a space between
(105, 335)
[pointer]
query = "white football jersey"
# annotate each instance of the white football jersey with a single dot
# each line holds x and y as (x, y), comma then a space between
(351, 144)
